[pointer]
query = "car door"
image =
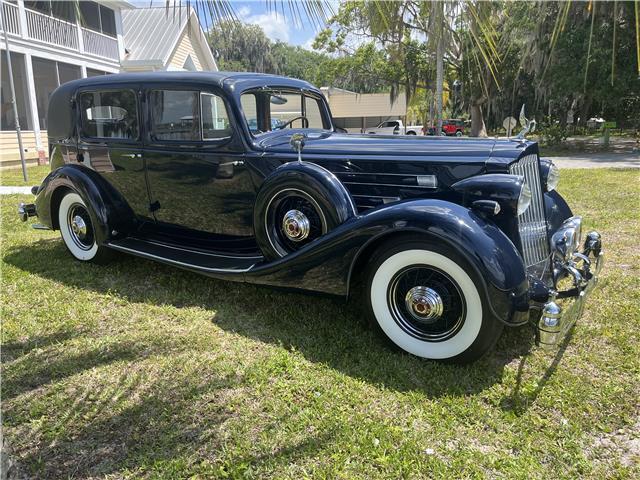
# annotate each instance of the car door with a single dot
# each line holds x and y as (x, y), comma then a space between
(109, 141)
(195, 170)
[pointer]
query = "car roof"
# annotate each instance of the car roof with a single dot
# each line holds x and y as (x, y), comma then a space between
(233, 80)
(61, 122)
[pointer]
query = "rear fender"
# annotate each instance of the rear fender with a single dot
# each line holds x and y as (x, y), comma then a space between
(109, 211)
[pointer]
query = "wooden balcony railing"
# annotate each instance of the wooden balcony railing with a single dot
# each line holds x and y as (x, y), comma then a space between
(54, 31)
(100, 44)
(11, 18)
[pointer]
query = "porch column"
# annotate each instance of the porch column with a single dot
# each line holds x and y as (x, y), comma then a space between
(80, 37)
(33, 106)
(119, 35)
(83, 70)
(22, 14)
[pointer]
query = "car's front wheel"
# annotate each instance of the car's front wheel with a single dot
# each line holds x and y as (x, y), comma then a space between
(428, 301)
(77, 230)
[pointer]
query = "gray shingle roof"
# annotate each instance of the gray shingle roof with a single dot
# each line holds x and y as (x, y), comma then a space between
(151, 33)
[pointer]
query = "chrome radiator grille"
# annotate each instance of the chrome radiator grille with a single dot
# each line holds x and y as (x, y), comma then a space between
(532, 223)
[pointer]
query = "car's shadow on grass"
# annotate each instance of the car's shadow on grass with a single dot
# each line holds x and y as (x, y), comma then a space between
(324, 330)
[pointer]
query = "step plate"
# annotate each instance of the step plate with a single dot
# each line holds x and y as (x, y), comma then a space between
(190, 259)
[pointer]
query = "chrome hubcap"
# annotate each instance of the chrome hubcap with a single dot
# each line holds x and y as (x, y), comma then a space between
(424, 304)
(296, 225)
(79, 226)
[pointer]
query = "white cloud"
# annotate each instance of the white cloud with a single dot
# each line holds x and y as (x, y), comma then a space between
(274, 24)
(244, 11)
(308, 44)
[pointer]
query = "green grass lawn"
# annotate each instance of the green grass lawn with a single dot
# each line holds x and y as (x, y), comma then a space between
(136, 369)
(13, 176)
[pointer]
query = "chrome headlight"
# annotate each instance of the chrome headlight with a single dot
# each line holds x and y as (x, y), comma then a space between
(524, 200)
(553, 177)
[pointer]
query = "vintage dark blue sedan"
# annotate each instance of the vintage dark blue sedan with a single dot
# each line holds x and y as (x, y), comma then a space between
(244, 177)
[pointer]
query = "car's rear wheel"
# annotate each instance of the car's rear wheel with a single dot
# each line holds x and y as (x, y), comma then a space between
(458, 133)
(411, 132)
(77, 230)
(428, 301)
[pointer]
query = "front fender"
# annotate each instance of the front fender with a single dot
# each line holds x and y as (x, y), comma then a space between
(109, 211)
(557, 211)
(327, 264)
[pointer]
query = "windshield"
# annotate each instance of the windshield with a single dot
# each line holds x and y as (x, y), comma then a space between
(266, 110)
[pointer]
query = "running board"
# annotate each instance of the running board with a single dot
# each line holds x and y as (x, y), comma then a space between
(212, 263)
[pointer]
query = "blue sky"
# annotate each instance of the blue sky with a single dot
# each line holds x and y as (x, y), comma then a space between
(276, 25)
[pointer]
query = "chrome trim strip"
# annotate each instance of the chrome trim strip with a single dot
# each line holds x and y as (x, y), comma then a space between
(390, 197)
(385, 173)
(372, 184)
(175, 262)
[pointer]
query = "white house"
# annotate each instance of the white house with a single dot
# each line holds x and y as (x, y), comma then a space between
(165, 39)
(50, 46)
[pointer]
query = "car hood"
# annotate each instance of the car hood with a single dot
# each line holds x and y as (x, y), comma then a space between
(447, 149)
(367, 144)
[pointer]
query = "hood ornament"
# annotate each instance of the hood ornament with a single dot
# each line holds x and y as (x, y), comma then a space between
(297, 142)
(528, 126)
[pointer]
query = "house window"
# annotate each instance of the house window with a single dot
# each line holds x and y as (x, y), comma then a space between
(175, 115)
(109, 114)
(190, 65)
(22, 99)
(67, 72)
(47, 76)
(108, 21)
(95, 73)
(64, 10)
(98, 17)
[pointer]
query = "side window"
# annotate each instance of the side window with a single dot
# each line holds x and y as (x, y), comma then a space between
(109, 114)
(175, 115)
(215, 119)
(249, 102)
(312, 112)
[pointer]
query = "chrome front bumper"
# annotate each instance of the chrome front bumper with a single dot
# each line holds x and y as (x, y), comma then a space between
(564, 307)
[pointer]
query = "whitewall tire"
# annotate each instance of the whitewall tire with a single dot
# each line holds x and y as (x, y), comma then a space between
(77, 230)
(428, 302)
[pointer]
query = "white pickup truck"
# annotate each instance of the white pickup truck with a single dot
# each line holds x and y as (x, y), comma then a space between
(395, 127)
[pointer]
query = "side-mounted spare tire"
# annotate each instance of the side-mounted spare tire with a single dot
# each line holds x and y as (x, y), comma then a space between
(298, 203)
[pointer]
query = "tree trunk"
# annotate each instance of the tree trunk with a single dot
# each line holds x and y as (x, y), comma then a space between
(585, 109)
(478, 128)
(439, 64)
(439, 80)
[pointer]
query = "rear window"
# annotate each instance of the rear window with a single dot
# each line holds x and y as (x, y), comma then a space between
(109, 114)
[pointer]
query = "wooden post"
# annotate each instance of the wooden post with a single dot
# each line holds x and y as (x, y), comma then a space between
(13, 95)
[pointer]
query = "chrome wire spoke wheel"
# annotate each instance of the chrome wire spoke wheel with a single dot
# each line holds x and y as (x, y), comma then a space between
(77, 229)
(80, 227)
(293, 219)
(426, 303)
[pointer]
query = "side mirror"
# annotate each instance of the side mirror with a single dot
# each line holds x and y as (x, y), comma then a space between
(340, 130)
